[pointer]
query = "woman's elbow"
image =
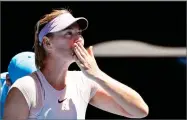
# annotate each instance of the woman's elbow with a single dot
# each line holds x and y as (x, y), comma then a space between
(144, 111)
(141, 113)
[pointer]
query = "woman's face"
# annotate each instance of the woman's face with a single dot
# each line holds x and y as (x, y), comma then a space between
(62, 42)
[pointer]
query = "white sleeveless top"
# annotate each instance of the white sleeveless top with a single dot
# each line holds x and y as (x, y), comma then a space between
(43, 99)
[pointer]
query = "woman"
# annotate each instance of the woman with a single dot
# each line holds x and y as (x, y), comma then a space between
(53, 92)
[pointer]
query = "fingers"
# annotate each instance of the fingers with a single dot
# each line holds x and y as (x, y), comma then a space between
(78, 61)
(82, 53)
(78, 54)
(82, 48)
(90, 51)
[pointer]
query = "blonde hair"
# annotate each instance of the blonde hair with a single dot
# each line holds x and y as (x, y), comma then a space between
(40, 52)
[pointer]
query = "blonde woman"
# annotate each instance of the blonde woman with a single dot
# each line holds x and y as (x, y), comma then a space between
(53, 92)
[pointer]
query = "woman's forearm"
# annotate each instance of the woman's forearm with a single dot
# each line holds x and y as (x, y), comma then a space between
(126, 97)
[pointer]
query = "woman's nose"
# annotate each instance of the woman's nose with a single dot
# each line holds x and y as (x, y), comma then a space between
(76, 37)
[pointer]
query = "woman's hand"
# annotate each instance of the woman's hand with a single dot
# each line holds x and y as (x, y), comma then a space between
(85, 60)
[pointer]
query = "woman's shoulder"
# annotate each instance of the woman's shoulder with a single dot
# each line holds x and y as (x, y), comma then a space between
(27, 87)
(26, 82)
(79, 77)
(74, 73)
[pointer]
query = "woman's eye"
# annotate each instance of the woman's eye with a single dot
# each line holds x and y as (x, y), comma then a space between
(69, 33)
(79, 32)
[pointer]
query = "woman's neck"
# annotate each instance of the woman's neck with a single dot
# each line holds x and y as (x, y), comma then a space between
(55, 72)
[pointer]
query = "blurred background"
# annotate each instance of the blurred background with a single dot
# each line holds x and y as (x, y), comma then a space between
(161, 81)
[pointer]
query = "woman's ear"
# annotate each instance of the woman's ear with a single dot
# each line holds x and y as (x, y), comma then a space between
(46, 43)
